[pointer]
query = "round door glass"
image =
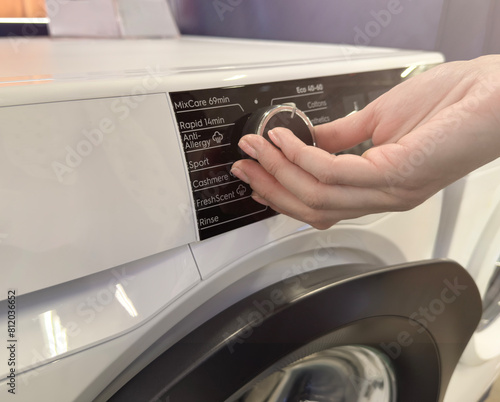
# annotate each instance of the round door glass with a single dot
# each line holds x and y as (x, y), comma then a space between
(340, 374)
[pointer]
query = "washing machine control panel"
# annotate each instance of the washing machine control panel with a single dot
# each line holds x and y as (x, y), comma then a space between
(211, 122)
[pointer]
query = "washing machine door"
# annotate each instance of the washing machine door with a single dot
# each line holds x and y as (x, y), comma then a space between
(343, 333)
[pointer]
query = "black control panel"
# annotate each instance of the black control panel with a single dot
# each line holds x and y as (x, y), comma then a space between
(211, 122)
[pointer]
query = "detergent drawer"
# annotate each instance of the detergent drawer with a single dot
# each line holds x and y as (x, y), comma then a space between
(87, 185)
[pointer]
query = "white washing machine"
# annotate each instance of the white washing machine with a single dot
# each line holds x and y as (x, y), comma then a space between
(135, 267)
(471, 236)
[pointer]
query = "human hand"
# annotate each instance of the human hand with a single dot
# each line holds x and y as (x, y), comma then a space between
(427, 132)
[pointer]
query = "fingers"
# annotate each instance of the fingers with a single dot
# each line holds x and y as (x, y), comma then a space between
(294, 186)
(268, 191)
(298, 163)
(349, 170)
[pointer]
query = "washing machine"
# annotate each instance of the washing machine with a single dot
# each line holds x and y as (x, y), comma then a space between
(470, 235)
(135, 266)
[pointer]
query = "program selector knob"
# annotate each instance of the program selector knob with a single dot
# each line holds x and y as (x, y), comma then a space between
(285, 115)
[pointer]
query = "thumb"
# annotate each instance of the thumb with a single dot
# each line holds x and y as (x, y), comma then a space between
(346, 132)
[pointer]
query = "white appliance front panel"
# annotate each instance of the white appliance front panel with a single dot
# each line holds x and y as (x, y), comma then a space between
(94, 204)
(87, 185)
(86, 374)
(476, 245)
(97, 176)
(407, 236)
(65, 319)
(480, 205)
(470, 383)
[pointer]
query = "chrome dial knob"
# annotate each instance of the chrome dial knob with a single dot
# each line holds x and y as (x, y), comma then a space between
(285, 115)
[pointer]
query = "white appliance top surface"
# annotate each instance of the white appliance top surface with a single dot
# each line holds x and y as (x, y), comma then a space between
(103, 57)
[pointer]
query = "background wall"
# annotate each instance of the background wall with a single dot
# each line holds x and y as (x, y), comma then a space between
(469, 28)
(461, 29)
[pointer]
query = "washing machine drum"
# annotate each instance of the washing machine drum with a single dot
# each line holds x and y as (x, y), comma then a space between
(344, 333)
(342, 373)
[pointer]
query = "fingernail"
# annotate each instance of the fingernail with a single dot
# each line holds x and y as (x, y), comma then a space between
(257, 198)
(274, 137)
(240, 174)
(248, 149)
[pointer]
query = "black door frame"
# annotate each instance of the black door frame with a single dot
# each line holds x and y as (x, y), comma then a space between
(419, 315)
